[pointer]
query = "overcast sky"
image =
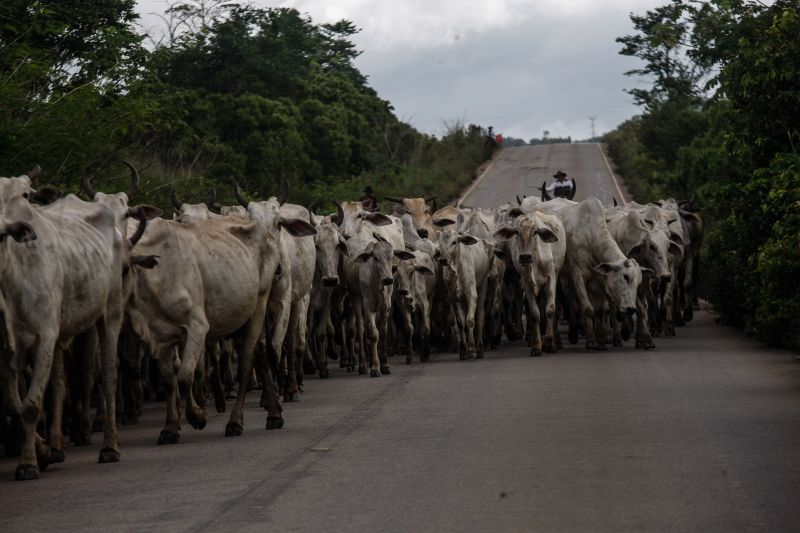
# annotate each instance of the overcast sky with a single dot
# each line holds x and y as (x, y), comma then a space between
(522, 66)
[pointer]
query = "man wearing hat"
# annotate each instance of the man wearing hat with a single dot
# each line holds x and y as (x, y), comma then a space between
(368, 201)
(560, 188)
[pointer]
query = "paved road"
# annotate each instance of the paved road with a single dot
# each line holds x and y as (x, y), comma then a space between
(521, 171)
(702, 434)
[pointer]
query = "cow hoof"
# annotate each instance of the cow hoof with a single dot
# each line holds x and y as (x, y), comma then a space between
(385, 370)
(168, 437)
(688, 314)
(274, 422)
(97, 426)
(219, 403)
(197, 420)
(601, 348)
(626, 333)
(291, 397)
(408, 360)
(233, 429)
(324, 373)
(109, 455)
(470, 356)
(479, 355)
(26, 472)
(374, 373)
(57, 456)
(535, 352)
(362, 370)
(616, 343)
(669, 331)
(572, 336)
(309, 367)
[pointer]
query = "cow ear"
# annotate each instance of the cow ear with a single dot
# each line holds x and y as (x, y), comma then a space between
(342, 246)
(605, 268)
(19, 231)
(144, 261)
(298, 227)
(676, 250)
(45, 196)
(378, 237)
(505, 233)
(515, 212)
(636, 250)
(150, 212)
(647, 273)
(442, 222)
(469, 240)
(363, 257)
(379, 219)
(689, 217)
(650, 223)
(499, 253)
(422, 269)
(547, 235)
(403, 255)
(675, 237)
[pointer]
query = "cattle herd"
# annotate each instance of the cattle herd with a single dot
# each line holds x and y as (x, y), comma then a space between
(103, 303)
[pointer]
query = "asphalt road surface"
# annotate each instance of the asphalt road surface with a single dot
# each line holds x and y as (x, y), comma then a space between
(702, 434)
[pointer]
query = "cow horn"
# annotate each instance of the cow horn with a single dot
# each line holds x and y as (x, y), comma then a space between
(311, 213)
(284, 195)
(212, 198)
(140, 228)
(134, 180)
(615, 200)
(519, 202)
(395, 199)
(176, 203)
(86, 185)
(431, 199)
(34, 173)
(237, 192)
(574, 189)
(545, 196)
(339, 212)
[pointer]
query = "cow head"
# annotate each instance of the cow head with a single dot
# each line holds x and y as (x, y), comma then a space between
(528, 231)
(621, 280)
(185, 213)
(119, 202)
(23, 187)
(381, 254)
(267, 214)
(420, 212)
(330, 247)
(351, 217)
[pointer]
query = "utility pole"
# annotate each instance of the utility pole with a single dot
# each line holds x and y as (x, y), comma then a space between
(591, 121)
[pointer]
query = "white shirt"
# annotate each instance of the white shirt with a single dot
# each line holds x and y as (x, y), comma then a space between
(557, 183)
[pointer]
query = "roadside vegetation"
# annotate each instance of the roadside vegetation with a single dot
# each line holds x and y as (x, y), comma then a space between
(720, 123)
(231, 92)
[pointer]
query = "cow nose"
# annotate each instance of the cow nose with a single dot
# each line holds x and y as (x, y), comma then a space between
(630, 310)
(525, 259)
(402, 292)
(443, 262)
(422, 233)
(388, 281)
(666, 279)
(330, 281)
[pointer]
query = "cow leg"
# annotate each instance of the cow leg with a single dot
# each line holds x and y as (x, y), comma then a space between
(408, 324)
(34, 455)
(57, 390)
(535, 317)
(425, 335)
(213, 353)
(669, 304)
(295, 328)
(84, 350)
(191, 355)
(548, 345)
(643, 338)
(373, 336)
(480, 320)
(584, 305)
(167, 365)
(384, 312)
(108, 334)
(469, 324)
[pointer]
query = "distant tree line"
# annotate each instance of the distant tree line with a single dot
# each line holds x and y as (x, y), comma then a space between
(720, 123)
(231, 92)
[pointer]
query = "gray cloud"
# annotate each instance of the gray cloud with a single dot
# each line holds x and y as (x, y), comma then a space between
(522, 66)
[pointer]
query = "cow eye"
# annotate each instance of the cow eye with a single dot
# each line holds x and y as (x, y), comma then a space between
(627, 278)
